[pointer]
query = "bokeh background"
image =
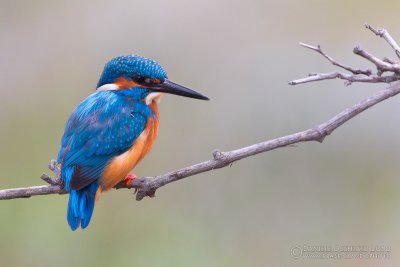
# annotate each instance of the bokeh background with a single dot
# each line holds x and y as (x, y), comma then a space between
(345, 191)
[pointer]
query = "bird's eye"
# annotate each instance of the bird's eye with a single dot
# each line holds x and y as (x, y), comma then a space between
(145, 80)
(139, 79)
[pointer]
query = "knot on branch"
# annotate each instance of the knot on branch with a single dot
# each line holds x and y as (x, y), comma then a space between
(218, 154)
(320, 133)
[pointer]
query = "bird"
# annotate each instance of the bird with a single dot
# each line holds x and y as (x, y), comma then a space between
(111, 131)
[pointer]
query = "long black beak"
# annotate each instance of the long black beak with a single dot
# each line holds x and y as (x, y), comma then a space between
(172, 88)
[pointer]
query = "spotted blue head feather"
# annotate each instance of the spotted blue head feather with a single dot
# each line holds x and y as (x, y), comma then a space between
(126, 65)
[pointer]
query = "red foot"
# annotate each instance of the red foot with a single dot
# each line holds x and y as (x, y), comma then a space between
(129, 179)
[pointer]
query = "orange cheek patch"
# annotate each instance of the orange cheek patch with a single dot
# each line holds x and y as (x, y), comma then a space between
(124, 83)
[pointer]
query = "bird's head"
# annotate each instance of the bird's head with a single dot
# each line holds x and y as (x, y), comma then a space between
(141, 78)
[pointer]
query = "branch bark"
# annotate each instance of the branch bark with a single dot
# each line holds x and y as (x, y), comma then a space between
(385, 35)
(148, 185)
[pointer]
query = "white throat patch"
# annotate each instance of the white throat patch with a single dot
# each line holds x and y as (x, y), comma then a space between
(153, 97)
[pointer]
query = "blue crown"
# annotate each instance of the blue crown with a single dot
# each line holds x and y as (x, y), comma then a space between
(129, 66)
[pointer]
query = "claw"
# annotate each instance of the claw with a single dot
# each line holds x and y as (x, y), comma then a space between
(151, 193)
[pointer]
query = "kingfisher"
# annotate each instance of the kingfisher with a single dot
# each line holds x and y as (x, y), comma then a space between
(111, 131)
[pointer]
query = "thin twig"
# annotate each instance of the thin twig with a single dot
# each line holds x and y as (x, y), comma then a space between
(334, 62)
(348, 77)
(381, 65)
(388, 38)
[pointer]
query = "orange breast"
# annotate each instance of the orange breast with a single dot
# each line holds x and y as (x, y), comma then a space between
(120, 166)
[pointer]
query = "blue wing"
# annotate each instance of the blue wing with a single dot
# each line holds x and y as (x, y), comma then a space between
(103, 126)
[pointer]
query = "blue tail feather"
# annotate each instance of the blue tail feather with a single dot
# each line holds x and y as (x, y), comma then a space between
(81, 205)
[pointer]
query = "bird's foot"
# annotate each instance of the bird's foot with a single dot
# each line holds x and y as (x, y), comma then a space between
(151, 193)
(141, 186)
(128, 180)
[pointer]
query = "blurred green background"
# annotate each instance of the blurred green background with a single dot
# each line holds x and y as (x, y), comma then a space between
(241, 54)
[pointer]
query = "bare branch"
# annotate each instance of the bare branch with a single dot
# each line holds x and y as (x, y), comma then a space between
(389, 60)
(334, 62)
(148, 185)
(358, 75)
(26, 192)
(49, 180)
(385, 35)
(348, 77)
(380, 64)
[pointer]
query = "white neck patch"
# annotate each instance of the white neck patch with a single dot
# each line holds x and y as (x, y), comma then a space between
(108, 86)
